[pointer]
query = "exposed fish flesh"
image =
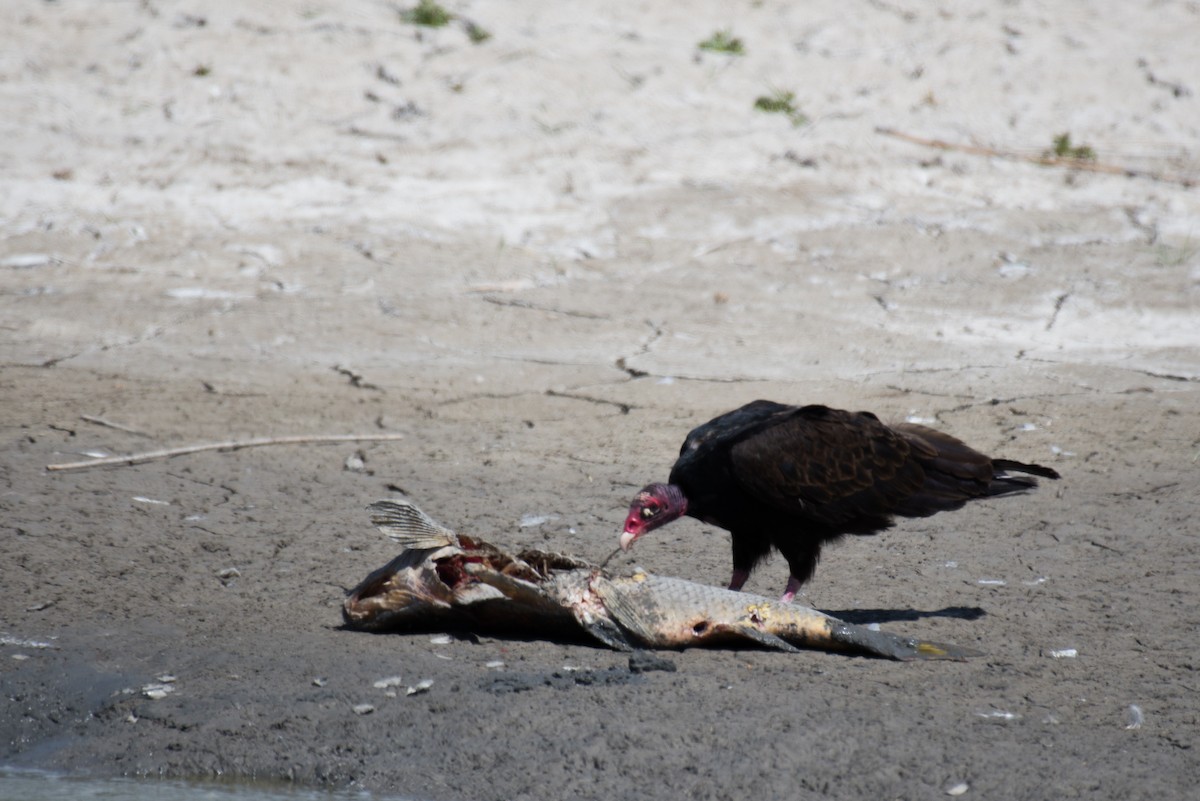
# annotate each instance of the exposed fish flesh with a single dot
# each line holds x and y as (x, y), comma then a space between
(447, 579)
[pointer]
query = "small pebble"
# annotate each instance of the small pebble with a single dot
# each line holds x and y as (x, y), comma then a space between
(957, 788)
(1135, 717)
(320, 681)
(441, 639)
(495, 664)
(228, 573)
(421, 686)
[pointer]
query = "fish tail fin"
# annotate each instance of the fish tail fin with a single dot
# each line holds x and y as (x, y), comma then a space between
(911, 650)
(893, 646)
(403, 523)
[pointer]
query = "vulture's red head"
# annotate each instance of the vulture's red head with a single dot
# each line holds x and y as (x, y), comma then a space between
(656, 505)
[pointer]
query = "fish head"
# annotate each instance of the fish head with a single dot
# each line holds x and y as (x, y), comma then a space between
(655, 506)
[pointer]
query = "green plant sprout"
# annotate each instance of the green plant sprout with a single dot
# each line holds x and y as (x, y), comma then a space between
(781, 102)
(723, 42)
(1063, 149)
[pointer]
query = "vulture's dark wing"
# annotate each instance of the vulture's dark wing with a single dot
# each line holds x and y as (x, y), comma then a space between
(832, 466)
(731, 426)
(954, 473)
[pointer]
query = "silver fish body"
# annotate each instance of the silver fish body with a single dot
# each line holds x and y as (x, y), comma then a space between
(457, 580)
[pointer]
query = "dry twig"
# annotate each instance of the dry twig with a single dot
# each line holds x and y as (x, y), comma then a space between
(233, 445)
(100, 421)
(1085, 165)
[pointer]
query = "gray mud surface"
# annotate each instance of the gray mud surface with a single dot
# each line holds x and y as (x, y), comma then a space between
(542, 259)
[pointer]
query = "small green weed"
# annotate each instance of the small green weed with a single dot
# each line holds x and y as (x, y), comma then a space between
(1063, 149)
(723, 42)
(1175, 255)
(475, 33)
(781, 102)
(428, 13)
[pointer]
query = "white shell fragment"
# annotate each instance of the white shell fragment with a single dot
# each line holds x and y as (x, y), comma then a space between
(957, 788)
(26, 261)
(7, 640)
(421, 686)
(157, 692)
(144, 499)
(1135, 717)
(363, 709)
(1062, 653)
(990, 582)
(320, 681)
(529, 520)
(495, 664)
(998, 714)
(390, 681)
(204, 293)
(441, 639)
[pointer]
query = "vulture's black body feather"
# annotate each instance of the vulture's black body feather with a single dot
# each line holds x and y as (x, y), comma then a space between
(795, 477)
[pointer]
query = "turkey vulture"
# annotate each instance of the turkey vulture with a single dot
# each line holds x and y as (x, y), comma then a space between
(795, 477)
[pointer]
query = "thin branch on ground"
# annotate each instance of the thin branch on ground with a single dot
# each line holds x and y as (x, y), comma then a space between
(100, 421)
(232, 445)
(1084, 165)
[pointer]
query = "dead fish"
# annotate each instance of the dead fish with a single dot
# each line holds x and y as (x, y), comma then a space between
(447, 579)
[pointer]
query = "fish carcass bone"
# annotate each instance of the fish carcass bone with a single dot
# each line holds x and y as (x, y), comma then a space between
(448, 579)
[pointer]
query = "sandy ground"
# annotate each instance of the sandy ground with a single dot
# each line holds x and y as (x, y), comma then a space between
(541, 259)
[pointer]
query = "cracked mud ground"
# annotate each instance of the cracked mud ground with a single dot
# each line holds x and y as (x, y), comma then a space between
(542, 259)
